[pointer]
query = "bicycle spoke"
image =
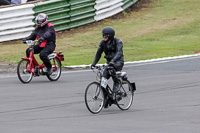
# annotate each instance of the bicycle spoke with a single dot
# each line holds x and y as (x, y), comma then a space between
(101, 100)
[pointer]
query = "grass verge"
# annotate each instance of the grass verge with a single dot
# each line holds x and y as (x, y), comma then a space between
(154, 29)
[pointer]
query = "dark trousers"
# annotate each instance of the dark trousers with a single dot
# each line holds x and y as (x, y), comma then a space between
(117, 67)
(106, 74)
(44, 52)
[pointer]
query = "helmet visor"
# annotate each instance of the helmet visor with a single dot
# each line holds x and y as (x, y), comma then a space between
(105, 35)
(40, 18)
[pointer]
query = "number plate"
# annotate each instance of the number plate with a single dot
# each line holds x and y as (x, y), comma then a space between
(104, 82)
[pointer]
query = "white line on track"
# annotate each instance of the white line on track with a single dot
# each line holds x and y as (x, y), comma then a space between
(127, 64)
(161, 60)
(76, 71)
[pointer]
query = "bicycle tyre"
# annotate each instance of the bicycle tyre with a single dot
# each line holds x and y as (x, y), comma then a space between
(94, 97)
(124, 99)
(22, 73)
(56, 74)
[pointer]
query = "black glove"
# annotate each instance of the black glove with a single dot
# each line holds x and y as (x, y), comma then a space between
(92, 66)
(41, 39)
(24, 41)
(111, 63)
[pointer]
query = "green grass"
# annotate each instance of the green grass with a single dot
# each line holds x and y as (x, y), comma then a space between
(164, 28)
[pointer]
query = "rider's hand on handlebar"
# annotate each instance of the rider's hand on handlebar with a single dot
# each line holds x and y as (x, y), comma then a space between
(41, 39)
(111, 63)
(92, 66)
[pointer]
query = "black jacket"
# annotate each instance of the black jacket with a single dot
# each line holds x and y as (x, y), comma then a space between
(47, 32)
(29, 0)
(4, 2)
(113, 51)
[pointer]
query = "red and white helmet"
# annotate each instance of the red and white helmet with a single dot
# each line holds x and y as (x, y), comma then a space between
(42, 19)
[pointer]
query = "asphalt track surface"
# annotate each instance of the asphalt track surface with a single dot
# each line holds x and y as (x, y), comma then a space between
(167, 100)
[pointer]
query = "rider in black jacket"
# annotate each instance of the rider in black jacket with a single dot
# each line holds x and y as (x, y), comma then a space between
(113, 49)
(45, 33)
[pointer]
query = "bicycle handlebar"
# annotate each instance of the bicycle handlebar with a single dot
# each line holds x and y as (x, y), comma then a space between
(103, 66)
(99, 67)
(31, 42)
(99, 70)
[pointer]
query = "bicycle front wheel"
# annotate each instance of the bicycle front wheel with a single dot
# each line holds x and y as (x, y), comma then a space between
(124, 98)
(94, 97)
(22, 71)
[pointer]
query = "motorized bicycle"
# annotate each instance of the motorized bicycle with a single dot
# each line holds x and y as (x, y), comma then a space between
(29, 67)
(95, 95)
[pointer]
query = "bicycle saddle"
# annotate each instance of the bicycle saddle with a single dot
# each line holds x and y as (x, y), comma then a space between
(52, 55)
(121, 74)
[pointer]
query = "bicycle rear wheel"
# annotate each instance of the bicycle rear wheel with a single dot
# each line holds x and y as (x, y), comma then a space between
(124, 98)
(56, 69)
(94, 97)
(22, 71)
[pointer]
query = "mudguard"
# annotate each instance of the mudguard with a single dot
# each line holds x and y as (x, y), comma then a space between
(25, 58)
(52, 55)
(133, 86)
(60, 55)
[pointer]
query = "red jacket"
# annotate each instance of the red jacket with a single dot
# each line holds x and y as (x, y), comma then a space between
(47, 32)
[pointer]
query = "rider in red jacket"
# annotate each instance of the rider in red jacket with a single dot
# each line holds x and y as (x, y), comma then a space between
(46, 35)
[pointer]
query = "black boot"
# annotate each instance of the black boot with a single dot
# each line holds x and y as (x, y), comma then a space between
(116, 88)
(107, 99)
(106, 102)
(49, 71)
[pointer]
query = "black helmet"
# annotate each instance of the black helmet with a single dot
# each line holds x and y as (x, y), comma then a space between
(42, 17)
(108, 31)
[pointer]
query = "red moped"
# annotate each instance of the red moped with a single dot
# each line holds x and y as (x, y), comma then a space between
(29, 67)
